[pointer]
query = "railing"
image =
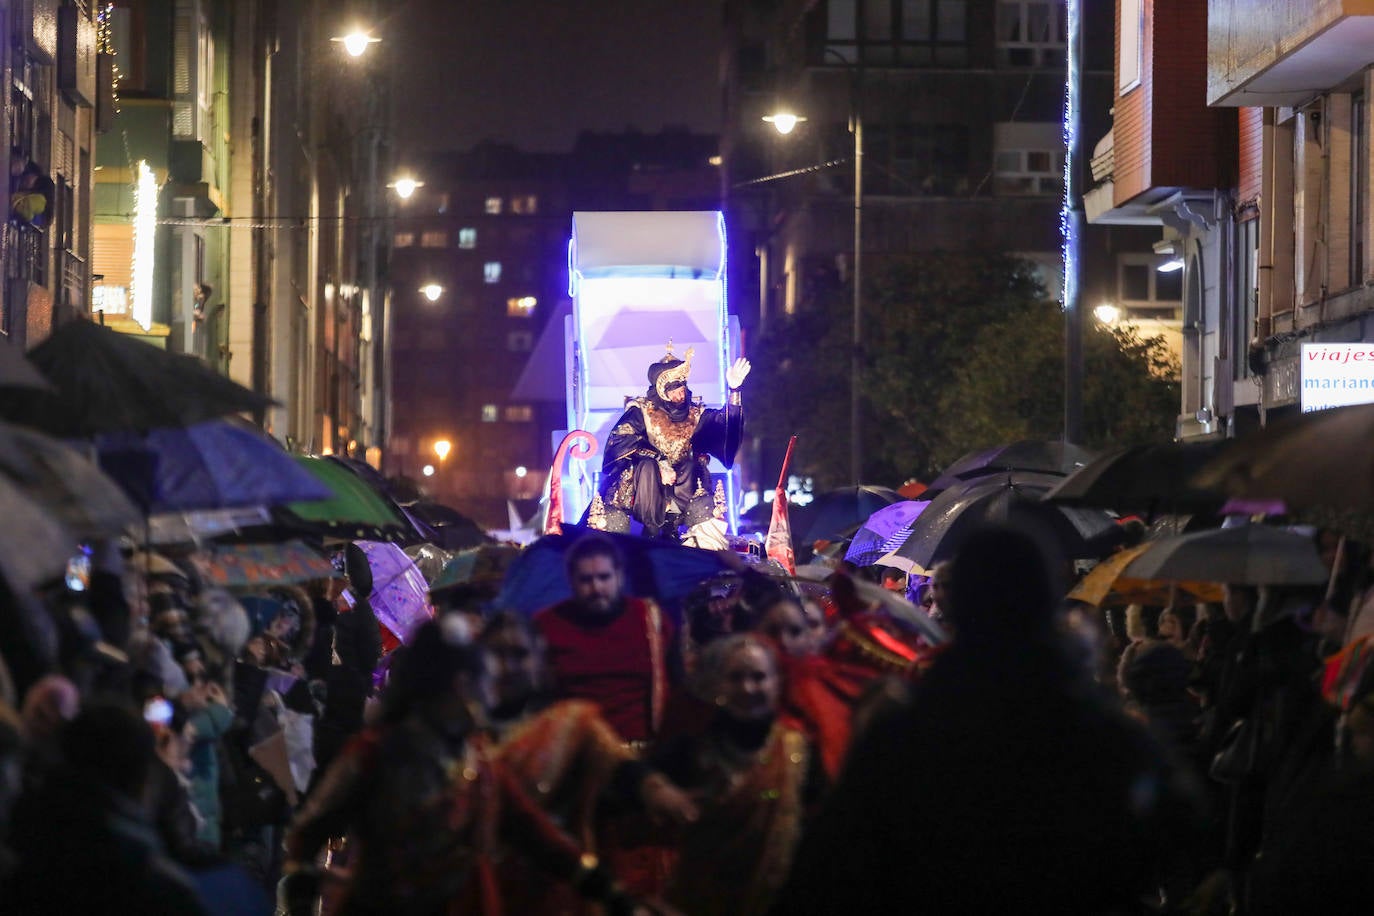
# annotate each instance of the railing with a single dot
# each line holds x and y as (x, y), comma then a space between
(76, 280)
(26, 249)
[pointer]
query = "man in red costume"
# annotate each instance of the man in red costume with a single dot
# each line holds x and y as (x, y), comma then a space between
(607, 647)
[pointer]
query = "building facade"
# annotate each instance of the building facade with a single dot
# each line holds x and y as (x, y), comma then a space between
(1297, 77)
(48, 59)
(232, 207)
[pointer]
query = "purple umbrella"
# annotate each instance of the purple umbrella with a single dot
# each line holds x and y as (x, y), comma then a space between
(400, 594)
(884, 531)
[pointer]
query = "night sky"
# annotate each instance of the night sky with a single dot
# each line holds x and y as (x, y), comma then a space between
(535, 72)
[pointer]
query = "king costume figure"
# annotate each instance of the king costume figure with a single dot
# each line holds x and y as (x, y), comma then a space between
(657, 457)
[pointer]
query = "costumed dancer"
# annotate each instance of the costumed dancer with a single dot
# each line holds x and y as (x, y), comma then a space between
(656, 467)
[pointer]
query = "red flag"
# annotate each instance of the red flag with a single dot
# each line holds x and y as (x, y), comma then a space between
(778, 544)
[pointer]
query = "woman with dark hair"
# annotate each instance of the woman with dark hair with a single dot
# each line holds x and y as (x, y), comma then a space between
(754, 778)
(426, 802)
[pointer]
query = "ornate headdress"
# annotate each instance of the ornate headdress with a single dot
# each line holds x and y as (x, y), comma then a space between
(670, 370)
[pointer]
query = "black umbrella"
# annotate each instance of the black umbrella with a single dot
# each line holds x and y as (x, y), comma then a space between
(18, 372)
(1148, 479)
(1011, 498)
(838, 513)
(109, 382)
(1049, 456)
(453, 529)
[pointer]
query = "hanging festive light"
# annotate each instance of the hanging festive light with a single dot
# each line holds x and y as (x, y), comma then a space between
(145, 249)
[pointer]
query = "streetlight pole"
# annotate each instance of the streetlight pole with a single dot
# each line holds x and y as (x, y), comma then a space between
(784, 122)
(856, 450)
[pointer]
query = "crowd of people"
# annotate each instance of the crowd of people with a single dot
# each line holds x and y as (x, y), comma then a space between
(766, 745)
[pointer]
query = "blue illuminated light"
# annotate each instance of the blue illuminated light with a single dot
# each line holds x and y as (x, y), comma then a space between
(1067, 224)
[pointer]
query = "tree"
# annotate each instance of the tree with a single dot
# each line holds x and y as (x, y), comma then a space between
(959, 348)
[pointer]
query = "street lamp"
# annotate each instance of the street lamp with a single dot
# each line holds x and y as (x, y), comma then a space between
(783, 123)
(356, 42)
(1107, 313)
(405, 186)
(441, 449)
(432, 291)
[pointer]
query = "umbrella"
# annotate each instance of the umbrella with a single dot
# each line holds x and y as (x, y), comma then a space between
(1045, 456)
(430, 559)
(838, 513)
(1008, 498)
(653, 568)
(58, 477)
(216, 464)
(400, 594)
(203, 524)
(485, 564)
(885, 531)
(1241, 555)
(106, 381)
(354, 511)
(1105, 586)
(1320, 459)
(34, 546)
(239, 565)
(18, 372)
(453, 529)
(1143, 478)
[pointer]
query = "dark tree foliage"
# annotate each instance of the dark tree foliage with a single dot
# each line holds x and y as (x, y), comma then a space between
(961, 351)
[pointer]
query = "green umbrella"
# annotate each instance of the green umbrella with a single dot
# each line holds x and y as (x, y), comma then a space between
(355, 511)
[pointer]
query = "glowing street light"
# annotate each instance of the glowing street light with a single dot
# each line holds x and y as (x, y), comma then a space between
(432, 291)
(521, 471)
(356, 42)
(427, 470)
(405, 186)
(1107, 313)
(441, 448)
(784, 121)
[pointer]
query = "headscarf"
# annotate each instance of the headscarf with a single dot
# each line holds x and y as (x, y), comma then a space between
(677, 370)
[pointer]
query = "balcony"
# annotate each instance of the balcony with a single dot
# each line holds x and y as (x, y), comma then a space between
(1279, 53)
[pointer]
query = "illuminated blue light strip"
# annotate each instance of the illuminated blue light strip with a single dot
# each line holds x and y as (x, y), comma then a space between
(1068, 226)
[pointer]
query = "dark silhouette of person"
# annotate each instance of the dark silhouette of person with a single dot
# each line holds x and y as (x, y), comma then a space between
(1007, 782)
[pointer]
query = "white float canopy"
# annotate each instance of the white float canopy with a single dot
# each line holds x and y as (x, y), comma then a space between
(648, 242)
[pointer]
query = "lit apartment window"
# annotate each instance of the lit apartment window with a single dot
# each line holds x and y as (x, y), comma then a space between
(521, 306)
(403, 240)
(901, 33)
(491, 272)
(524, 205)
(467, 238)
(490, 413)
(1030, 160)
(493, 206)
(520, 413)
(519, 341)
(434, 239)
(1031, 33)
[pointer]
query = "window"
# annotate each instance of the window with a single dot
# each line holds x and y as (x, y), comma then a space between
(521, 306)
(525, 205)
(519, 341)
(491, 272)
(1132, 27)
(1031, 33)
(434, 238)
(493, 206)
(519, 413)
(490, 413)
(897, 33)
(914, 159)
(1029, 160)
(403, 240)
(1141, 285)
(467, 238)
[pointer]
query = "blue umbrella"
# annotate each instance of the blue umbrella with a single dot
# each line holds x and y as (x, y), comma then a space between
(653, 569)
(218, 464)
